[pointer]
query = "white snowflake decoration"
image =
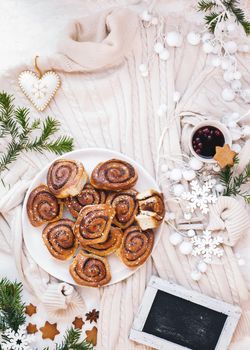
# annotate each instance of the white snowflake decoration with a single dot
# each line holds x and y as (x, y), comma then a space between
(18, 340)
(207, 246)
(200, 196)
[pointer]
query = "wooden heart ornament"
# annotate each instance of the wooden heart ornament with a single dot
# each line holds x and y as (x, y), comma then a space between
(39, 89)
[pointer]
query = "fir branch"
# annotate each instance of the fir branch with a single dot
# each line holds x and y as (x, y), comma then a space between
(72, 341)
(233, 182)
(16, 125)
(11, 306)
(206, 5)
(212, 17)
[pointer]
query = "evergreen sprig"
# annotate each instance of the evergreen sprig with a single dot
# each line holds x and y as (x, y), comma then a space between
(11, 305)
(12, 315)
(17, 131)
(216, 15)
(234, 182)
(72, 341)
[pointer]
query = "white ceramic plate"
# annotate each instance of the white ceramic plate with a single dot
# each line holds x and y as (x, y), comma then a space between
(90, 157)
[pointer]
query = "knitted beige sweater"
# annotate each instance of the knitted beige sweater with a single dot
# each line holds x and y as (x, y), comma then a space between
(104, 102)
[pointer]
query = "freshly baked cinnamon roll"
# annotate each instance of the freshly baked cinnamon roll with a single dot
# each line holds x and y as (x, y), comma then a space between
(151, 209)
(125, 205)
(89, 195)
(136, 246)
(114, 175)
(108, 247)
(93, 223)
(60, 239)
(66, 177)
(43, 206)
(90, 270)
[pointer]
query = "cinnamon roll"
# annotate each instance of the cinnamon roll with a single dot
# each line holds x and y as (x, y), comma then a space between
(108, 247)
(60, 240)
(90, 270)
(66, 177)
(43, 206)
(125, 205)
(93, 223)
(136, 246)
(89, 195)
(114, 175)
(151, 209)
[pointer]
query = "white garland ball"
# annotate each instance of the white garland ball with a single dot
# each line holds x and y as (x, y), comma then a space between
(178, 190)
(237, 75)
(207, 37)
(176, 174)
(191, 233)
(158, 47)
(195, 163)
(241, 262)
(176, 96)
(164, 55)
(187, 216)
(236, 85)
(175, 238)
(174, 39)
(196, 275)
(186, 248)
(164, 168)
(188, 175)
(228, 76)
(216, 61)
(193, 38)
(202, 266)
(232, 124)
(146, 16)
(207, 48)
(231, 46)
(162, 110)
(219, 188)
(236, 147)
(228, 94)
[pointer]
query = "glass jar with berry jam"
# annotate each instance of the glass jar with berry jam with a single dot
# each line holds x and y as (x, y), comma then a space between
(206, 136)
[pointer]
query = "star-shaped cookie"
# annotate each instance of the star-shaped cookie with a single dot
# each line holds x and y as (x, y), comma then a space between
(31, 328)
(78, 322)
(30, 309)
(224, 156)
(49, 330)
(91, 336)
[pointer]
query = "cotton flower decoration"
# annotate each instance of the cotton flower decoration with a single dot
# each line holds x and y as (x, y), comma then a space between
(207, 246)
(200, 196)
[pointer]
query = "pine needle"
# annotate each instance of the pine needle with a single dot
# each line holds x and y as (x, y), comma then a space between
(11, 306)
(212, 17)
(72, 341)
(15, 125)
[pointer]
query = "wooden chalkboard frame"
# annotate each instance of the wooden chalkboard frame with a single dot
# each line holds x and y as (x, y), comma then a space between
(136, 334)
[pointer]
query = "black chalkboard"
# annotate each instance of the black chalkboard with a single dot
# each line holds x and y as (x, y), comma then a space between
(183, 322)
